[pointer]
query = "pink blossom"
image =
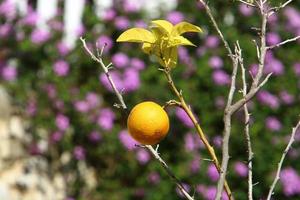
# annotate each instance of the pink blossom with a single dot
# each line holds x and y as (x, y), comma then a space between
(61, 68)
(62, 122)
(127, 141)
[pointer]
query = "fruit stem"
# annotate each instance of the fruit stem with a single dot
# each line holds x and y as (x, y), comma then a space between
(202, 136)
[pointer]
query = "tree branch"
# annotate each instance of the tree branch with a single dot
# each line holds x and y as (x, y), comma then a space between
(284, 42)
(247, 121)
(277, 177)
(123, 105)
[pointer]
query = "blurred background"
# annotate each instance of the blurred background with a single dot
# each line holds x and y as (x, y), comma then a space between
(62, 138)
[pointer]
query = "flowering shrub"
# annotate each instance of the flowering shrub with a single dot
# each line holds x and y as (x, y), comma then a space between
(68, 101)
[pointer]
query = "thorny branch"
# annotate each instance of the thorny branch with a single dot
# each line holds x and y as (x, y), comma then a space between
(284, 42)
(247, 121)
(258, 82)
(153, 151)
(288, 147)
(199, 130)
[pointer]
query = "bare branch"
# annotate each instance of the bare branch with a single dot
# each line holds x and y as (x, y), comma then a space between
(216, 26)
(227, 128)
(247, 3)
(123, 105)
(168, 170)
(105, 69)
(284, 42)
(247, 120)
(199, 130)
(276, 9)
(277, 177)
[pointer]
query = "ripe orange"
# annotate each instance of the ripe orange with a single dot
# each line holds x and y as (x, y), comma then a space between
(148, 123)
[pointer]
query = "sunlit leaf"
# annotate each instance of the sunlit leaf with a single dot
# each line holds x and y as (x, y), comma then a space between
(136, 35)
(179, 40)
(163, 25)
(184, 27)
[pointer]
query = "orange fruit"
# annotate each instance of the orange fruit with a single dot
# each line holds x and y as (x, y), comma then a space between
(148, 123)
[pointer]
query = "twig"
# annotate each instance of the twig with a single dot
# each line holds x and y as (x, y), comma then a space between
(275, 9)
(123, 105)
(199, 130)
(105, 69)
(277, 177)
(247, 3)
(247, 120)
(170, 173)
(227, 128)
(209, 13)
(284, 42)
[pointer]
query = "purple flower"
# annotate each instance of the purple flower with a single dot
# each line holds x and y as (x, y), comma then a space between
(245, 10)
(268, 99)
(31, 108)
(56, 136)
(186, 188)
(79, 153)
(212, 41)
(273, 38)
(131, 80)
(5, 30)
(192, 142)
(184, 118)
(286, 97)
(9, 73)
(92, 99)
(7, 9)
(95, 136)
(131, 6)
(51, 91)
(220, 77)
(120, 60)
(105, 40)
(154, 178)
(39, 36)
(296, 67)
(212, 172)
(293, 17)
(127, 141)
(241, 169)
(80, 30)
(140, 24)
(253, 69)
(195, 165)
(210, 193)
(116, 76)
(217, 141)
(62, 122)
(106, 119)
(137, 64)
(215, 62)
(220, 102)
(142, 156)
(82, 106)
(121, 23)
(290, 181)
(273, 124)
(175, 17)
(109, 15)
(274, 66)
(61, 68)
(62, 48)
(184, 55)
(30, 19)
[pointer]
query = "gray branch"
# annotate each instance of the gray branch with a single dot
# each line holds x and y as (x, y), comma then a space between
(288, 147)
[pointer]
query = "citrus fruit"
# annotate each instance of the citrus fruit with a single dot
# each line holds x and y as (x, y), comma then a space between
(148, 123)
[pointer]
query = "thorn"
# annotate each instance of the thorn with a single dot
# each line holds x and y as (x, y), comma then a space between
(156, 148)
